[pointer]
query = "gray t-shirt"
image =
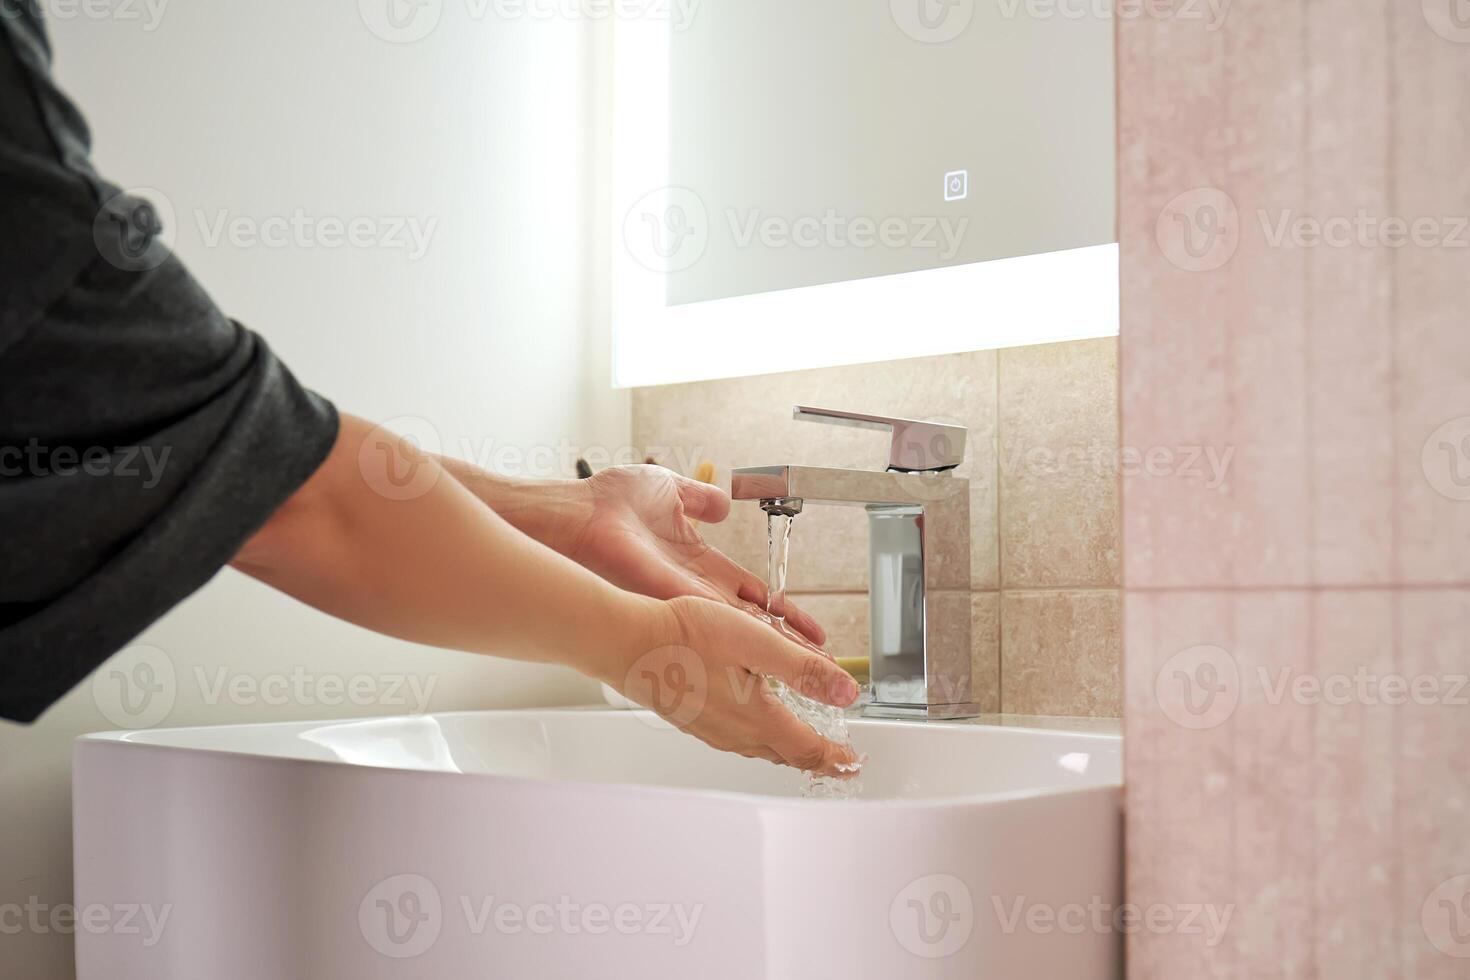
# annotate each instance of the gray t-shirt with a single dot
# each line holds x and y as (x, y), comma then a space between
(144, 436)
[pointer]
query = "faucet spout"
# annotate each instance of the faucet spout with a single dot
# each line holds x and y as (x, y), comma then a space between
(918, 574)
(781, 506)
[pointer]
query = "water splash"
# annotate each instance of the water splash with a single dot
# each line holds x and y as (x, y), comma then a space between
(825, 720)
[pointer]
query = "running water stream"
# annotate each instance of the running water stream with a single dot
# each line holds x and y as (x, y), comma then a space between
(827, 721)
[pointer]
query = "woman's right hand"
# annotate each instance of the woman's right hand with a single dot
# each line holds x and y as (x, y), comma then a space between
(439, 567)
(707, 676)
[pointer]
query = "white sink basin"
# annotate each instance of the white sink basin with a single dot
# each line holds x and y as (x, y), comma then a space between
(596, 844)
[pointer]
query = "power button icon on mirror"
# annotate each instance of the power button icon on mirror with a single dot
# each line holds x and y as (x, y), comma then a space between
(956, 185)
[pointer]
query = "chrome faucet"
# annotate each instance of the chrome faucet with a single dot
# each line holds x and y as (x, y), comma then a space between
(918, 557)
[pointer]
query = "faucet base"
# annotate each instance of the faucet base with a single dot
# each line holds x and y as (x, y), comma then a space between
(930, 712)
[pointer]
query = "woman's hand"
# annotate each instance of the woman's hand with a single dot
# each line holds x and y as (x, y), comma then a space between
(440, 567)
(640, 537)
(632, 525)
(709, 679)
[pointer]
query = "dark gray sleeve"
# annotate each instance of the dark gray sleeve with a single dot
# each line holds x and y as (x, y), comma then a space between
(143, 438)
(143, 435)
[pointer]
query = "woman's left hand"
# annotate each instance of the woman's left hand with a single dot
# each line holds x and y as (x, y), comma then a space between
(639, 535)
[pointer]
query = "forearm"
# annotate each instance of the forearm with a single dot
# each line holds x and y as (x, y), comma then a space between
(441, 568)
(551, 511)
(384, 536)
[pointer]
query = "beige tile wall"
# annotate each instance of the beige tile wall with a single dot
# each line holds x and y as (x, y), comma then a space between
(1044, 556)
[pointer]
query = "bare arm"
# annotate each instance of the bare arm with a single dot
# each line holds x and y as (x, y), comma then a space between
(637, 527)
(438, 568)
(554, 512)
(442, 568)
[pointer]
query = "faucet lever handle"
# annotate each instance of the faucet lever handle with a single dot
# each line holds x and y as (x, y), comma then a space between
(916, 447)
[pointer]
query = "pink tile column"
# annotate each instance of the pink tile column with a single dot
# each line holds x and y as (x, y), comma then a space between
(1294, 188)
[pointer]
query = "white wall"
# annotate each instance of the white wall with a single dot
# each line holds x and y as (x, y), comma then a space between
(494, 336)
